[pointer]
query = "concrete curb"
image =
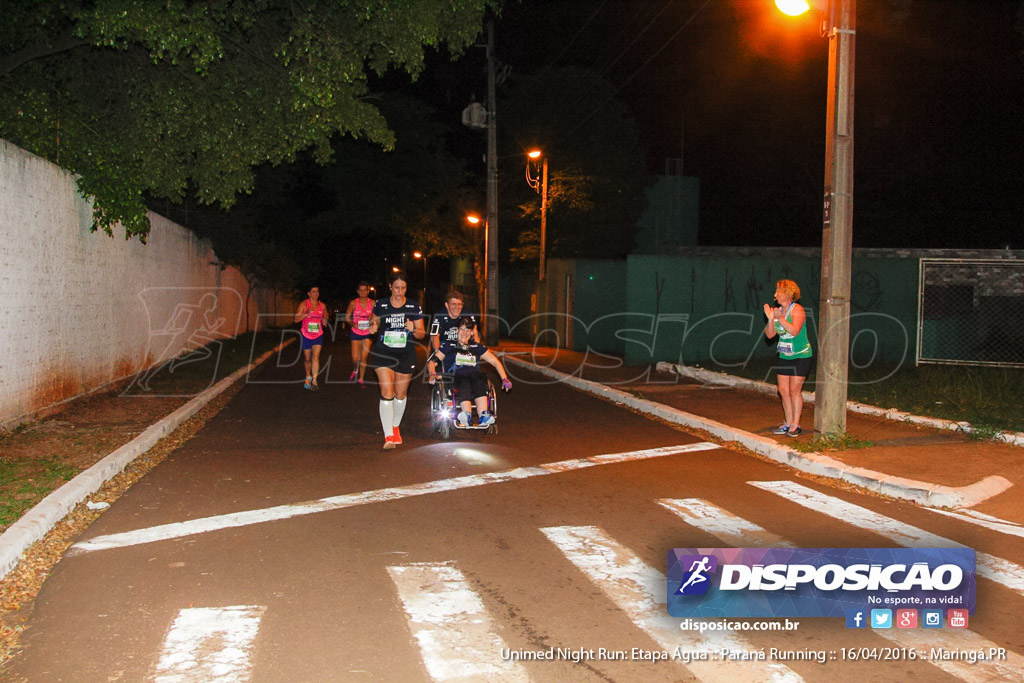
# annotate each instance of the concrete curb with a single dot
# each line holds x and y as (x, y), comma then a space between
(923, 493)
(35, 523)
(723, 379)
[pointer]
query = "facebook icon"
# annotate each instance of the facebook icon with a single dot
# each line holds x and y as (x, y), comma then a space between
(856, 618)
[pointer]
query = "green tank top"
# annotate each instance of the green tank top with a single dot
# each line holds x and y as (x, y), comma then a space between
(792, 346)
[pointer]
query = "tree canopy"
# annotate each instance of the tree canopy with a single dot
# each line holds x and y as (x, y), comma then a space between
(179, 97)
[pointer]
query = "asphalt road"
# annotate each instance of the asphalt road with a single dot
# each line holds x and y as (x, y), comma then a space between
(282, 544)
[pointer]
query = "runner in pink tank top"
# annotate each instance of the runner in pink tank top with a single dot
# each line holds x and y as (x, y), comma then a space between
(358, 315)
(312, 316)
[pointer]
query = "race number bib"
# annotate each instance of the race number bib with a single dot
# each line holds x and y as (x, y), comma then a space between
(395, 339)
(312, 328)
(465, 360)
(786, 348)
(362, 324)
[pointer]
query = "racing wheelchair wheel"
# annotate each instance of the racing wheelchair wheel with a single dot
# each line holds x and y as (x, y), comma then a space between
(439, 401)
(492, 405)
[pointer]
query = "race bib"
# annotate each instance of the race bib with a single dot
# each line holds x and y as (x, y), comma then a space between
(395, 339)
(312, 327)
(363, 324)
(465, 360)
(786, 348)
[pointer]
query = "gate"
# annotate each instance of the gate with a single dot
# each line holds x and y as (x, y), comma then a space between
(971, 312)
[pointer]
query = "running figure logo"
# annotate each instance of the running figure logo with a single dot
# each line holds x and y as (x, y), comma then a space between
(696, 580)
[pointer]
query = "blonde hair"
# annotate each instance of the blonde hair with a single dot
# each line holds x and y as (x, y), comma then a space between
(789, 288)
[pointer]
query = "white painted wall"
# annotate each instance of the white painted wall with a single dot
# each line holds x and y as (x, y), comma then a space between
(79, 309)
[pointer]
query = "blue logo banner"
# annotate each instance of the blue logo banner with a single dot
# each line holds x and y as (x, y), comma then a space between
(817, 582)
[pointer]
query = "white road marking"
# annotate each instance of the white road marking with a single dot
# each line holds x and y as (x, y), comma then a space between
(989, 566)
(457, 637)
(639, 590)
(165, 532)
(210, 644)
(987, 521)
(739, 533)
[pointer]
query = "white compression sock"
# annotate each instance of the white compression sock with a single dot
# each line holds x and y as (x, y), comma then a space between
(399, 410)
(387, 412)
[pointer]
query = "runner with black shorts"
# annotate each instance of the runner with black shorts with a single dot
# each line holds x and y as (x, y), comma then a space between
(396, 322)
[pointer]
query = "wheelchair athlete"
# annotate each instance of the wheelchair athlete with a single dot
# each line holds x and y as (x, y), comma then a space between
(461, 360)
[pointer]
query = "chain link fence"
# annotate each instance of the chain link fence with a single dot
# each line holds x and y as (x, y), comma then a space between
(971, 312)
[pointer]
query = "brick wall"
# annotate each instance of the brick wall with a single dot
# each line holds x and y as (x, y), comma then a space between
(79, 310)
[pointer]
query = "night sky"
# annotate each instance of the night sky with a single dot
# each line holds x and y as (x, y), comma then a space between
(738, 90)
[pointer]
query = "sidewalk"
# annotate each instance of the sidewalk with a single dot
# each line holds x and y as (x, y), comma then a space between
(932, 459)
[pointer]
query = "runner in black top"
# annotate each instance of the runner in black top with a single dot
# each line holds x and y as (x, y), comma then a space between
(396, 322)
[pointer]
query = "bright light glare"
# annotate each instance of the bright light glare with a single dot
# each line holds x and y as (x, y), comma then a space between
(395, 269)
(473, 456)
(417, 254)
(473, 218)
(793, 8)
(534, 153)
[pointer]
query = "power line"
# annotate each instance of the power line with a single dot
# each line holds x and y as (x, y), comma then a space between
(573, 40)
(637, 37)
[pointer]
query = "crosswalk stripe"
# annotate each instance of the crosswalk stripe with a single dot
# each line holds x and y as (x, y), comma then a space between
(987, 521)
(209, 644)
(740, 533)
(456, 636)
(232, 520)
(989, 566)
(639, 590)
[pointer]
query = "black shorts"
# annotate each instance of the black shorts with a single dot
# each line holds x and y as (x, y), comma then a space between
(402, 361)
(469, 386)
(794, 367)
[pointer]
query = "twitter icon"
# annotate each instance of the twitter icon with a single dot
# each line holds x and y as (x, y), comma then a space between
(881, 618)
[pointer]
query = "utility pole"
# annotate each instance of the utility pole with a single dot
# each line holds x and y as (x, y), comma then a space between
(491, 321)
(837, 225)
(544, 220)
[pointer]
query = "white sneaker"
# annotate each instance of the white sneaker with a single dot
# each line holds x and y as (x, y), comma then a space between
(486, 420)
(463, 419)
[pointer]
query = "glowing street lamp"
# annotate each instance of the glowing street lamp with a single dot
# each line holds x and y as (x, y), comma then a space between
(837, 216)
(541, 185)
(793, 8)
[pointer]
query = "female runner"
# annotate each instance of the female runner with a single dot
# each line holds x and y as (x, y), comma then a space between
(313, 316)
(358, 315)
(396, 322)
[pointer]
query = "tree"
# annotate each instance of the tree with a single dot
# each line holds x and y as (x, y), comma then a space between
(596, 165)
(161, 99)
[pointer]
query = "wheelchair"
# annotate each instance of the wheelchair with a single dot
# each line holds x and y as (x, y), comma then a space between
(444, 408)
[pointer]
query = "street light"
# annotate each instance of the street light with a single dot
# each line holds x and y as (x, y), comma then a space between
(484, 291)
(837, 218)
(541, 185)
(419, 255)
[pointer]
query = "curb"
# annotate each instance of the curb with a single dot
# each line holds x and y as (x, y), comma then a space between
(923, 493)
(38, 521)
(723, 379)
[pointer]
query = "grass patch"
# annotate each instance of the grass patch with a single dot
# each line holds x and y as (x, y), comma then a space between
(830, 442)
(25, 482)
(989, 398)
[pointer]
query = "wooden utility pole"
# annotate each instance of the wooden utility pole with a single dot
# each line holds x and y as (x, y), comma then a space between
(491, 321)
